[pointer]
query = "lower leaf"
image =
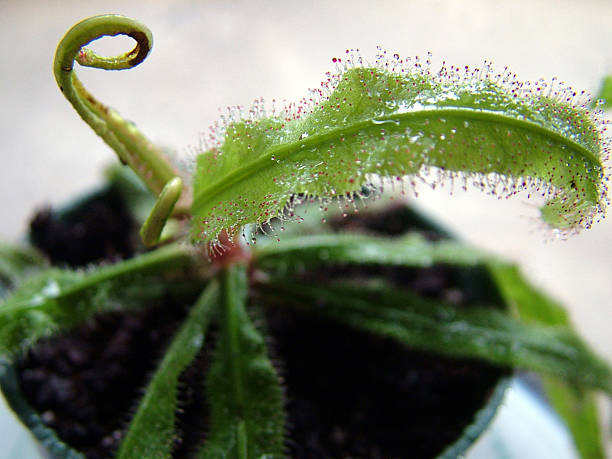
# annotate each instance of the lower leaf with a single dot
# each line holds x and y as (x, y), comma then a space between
(247, 418)
(58, 299)
(476, 332)
(412, 250)
(151, 432)
(575, 404)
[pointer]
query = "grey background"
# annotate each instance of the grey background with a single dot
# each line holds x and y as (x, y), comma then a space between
(214, 54)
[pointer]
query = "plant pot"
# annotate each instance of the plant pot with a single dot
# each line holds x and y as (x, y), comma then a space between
(348, 362)
(51, 446)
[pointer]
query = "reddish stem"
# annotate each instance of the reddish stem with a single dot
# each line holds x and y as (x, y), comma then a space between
(231, 253)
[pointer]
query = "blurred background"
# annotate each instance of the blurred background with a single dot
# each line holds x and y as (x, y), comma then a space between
(212, 54)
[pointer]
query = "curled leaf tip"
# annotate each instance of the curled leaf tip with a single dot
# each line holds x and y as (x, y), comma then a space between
(397, 121)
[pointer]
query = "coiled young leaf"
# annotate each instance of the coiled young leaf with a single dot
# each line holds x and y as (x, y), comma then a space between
(391, 122)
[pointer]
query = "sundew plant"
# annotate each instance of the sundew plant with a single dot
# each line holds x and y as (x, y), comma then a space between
(369, 127)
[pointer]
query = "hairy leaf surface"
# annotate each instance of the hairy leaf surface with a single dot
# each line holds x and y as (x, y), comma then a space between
(247, 418)
(151, 432)
(371, 124)
(58, 299)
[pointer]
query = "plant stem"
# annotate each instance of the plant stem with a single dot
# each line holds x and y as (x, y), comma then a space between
(132, 147)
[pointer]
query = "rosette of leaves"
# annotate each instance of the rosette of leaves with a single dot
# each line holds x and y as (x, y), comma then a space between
(391, 122)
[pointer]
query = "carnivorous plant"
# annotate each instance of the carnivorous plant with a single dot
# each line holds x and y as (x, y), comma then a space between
(228, 222)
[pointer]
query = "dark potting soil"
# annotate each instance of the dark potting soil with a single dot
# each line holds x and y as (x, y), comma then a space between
(349, 394)
(86, 383)
(94, 229)
(352, 394)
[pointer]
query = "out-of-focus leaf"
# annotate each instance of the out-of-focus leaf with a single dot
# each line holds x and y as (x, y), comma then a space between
(574, 403)
(477, 332)
(58, 299)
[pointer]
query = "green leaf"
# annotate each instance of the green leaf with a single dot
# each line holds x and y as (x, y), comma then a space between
(295, 254)
(605, 93)
(574, 403)
(298, 253)
(577, 406)
(477, 332)
(58, 299)
(529, 304)
(151, 432)
(243, 389)
(377, 124)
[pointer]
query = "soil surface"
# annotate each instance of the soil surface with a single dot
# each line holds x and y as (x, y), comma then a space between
(85, 384)
(97, 228)
(349, 393)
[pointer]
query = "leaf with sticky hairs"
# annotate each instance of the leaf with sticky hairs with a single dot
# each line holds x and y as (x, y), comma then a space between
(378, 125)
(17, 263)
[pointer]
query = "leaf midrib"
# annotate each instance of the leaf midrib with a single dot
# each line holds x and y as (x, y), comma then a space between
(280, 152)
(234, 296)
